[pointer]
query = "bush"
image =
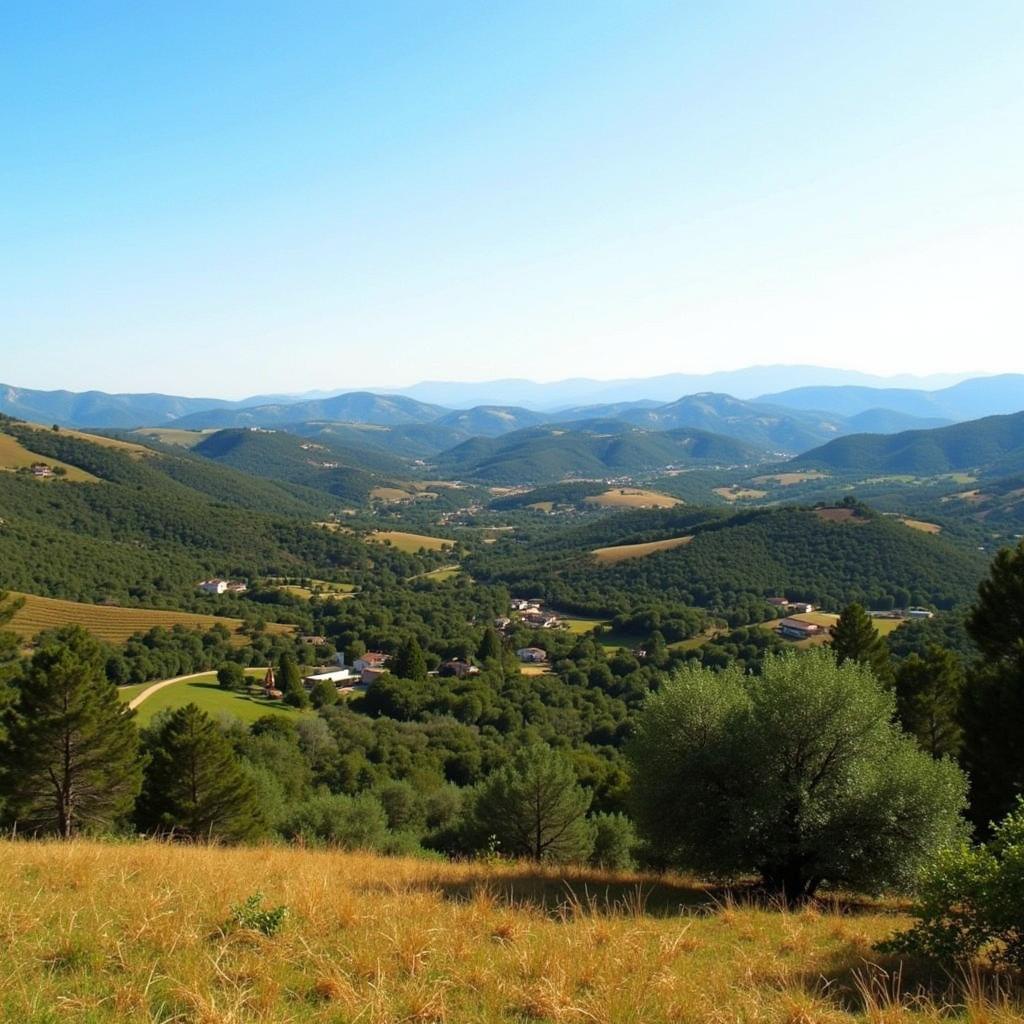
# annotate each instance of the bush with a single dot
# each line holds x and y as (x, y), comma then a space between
(614, 842)
(798, 775)
(251, 914)
(334, 819)
(971, 901)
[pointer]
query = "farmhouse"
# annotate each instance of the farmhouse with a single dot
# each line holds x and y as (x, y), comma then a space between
(797, 629)
(502, 622)
(540, 620)
(338, 676)
(371, 659)
(920, 613)
(523, 604)
(531, 654)
(458, 669)
(41, 470)
(793, 606)
(217, 585)
(370, 675)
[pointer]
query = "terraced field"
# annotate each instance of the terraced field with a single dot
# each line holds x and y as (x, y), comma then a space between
(112, 623)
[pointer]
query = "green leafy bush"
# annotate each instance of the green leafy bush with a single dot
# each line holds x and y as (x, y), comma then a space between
(253, 915)
(971, 901)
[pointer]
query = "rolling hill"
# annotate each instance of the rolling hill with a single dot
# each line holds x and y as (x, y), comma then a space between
(354, 407)
(993, 445)
(592, 449)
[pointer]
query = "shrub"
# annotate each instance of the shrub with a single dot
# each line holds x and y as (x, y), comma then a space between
(252, 915)
(971, 901)
(615, 841)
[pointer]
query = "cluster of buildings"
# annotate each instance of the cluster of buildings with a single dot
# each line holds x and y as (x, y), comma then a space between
(530, 613)
(217, 585)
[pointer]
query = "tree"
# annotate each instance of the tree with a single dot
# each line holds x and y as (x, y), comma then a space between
(534, 807)
(72, 761)
(854, 638)
(993, 701)
(410, 663)
(231, 676)
(491, 647)
(614, 842)
(798, 775)
(194, 785)
(289, 678)
(323, 694)
(928, 692)
(335, 819)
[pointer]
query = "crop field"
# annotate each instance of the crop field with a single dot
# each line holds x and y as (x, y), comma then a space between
(14, 455)
(738, 493)
(206, 694)
(112, 623)
(620, 552)
(111, 933)
(632, 497)
(410, 542)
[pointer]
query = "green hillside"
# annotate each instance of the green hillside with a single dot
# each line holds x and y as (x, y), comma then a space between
(736, 561)
(597, 449)
(993, 445)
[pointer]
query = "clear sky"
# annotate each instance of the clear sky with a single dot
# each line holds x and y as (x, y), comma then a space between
(228, 198)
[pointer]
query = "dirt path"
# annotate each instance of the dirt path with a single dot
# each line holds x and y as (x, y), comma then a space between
(150, 690)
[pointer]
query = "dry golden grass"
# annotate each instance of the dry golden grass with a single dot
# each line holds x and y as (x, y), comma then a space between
(115, 624)
(632, 497)
(919, 524)
(14, 456)
(620, 552)
(95, 934)
(410, 542)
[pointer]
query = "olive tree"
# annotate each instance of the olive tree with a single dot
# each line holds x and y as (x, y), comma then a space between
(798, 775)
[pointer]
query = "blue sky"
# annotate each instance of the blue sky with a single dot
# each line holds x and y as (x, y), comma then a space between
(219, 198)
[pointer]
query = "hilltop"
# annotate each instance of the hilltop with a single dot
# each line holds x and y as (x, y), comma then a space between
(148, 931)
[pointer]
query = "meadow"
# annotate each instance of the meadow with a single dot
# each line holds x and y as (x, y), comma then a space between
(410, 543)
(206, 694)
(632, 497)
(101, 933)
(115, 624)
(14, 456)
(621, 552)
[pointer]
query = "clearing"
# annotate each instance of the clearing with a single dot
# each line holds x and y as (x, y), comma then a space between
(789, 479)
(739, 493)
(174, 435)
(840, 514)
(410, 543)
(207, 694)
(109, 933)
(14, 456)
(115, 624)
(827, 620)
(918, 524)
(316, 588)
(632, 497)
(620, 552)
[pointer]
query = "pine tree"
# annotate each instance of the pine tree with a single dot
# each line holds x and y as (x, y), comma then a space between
(928, 692)
(854, 638)
(195, 785)
(491, 647)
(72, 761)
(535, 807)
(992, 711)
(289, 679)
(410, 663)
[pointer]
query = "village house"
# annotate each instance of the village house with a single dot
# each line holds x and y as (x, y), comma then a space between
(502, 622)
(458, 669)
(370, 660)
(920, 613)
(217, 585)
(368, 676)
(797, 629)
(531, 654)
(799, 607)
(540, 620)
(338, 676)
(41, 470)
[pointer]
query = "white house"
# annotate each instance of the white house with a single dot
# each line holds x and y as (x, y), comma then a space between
(214, 586)
(338, 676)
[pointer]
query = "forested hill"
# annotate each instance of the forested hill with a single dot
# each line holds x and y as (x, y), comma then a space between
(332, 467)
(993, 445)
(597, 449)
(151, 526)
(735, 561)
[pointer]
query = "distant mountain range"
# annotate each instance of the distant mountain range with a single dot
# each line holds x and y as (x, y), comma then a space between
(398, 425)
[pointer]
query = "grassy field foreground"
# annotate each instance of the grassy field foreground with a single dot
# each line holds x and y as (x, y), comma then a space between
(97, 933)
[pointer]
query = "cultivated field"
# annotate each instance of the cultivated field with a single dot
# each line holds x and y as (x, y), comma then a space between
(205, 693)
(110, 933)
(918, 524)
(14, 456)
(620, 552)
(112, 623)
(789, 479)
(410, 542)
(632, 497)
